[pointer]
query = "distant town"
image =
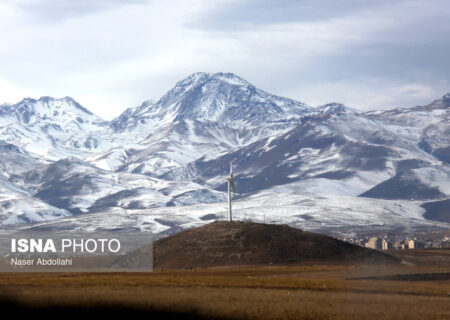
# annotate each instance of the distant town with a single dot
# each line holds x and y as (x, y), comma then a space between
(426, 240)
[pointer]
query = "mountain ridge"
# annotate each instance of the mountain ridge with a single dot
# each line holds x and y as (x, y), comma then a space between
(176, 151)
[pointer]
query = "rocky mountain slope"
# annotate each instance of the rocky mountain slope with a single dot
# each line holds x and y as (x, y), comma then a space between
(61, 160)
(340, 152)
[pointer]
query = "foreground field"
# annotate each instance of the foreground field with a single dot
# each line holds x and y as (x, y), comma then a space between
(270, 292)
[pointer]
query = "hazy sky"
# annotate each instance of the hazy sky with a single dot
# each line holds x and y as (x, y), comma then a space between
(112, 54)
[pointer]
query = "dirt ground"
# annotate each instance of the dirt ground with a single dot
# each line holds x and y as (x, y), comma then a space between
(418, 289)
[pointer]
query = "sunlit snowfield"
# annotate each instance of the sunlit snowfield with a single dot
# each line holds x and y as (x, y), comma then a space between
(304, 211)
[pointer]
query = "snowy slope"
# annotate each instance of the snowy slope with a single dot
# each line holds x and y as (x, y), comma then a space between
(14, 161)
(219, 97)
(52, 128)
(17, 205)
(338, 150)
(79, 187)
(59, 159)
(301, 210)
(201, 113)
(427, 126)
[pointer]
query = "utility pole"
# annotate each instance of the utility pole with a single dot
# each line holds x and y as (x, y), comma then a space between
(230, 180)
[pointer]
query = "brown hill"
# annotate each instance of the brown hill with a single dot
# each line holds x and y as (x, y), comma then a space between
(249, 243)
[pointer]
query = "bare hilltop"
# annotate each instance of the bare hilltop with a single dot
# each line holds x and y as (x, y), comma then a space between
(250, 243)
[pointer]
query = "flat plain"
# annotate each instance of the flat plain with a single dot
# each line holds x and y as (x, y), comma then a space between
(417, 289)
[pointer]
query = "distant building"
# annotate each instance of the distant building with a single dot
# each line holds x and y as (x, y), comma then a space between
(385, 245)
(361, 242)
(436, 244)
(374, 243)
(413, 244)
(445, 244)
(397, 245)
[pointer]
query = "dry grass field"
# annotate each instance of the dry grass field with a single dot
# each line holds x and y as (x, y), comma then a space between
(263, 292)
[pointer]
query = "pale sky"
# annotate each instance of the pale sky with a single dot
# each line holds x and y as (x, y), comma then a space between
(110, 54)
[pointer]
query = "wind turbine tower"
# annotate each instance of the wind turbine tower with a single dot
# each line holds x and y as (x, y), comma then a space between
(230, 180)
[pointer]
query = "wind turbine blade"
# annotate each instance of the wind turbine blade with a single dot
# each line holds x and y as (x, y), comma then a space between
(231, 168)
(232, 184)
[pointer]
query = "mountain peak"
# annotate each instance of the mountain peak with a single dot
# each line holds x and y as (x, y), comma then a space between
(51, 101)
(48, 112)
(222, 97)
(227, 97)
(202, 78)
(335, 107)
(442, 103)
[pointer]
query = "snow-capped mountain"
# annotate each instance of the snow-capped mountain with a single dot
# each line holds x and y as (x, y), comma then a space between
(17, 202)
(80, 187)
(344, 153)
(428, 126)
(52, 128)
(60, 160)
(15, 161)
(18, 205)
(201, 113)
(220, 97)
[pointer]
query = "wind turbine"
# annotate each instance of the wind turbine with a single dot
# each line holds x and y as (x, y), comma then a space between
(230, 180)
